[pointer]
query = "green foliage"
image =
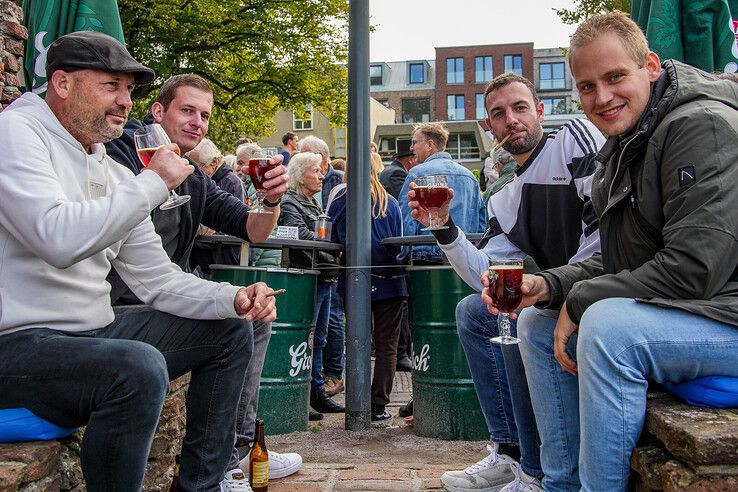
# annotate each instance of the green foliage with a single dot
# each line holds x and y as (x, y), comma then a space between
(259, 56)
(587, 8)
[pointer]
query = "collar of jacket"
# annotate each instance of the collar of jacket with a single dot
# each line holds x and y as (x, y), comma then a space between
(221, 172)
(438, 155)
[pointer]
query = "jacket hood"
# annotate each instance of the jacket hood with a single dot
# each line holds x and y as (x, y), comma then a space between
(32, 105)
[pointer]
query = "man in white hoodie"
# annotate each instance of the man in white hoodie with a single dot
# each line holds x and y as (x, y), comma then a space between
(68, 212)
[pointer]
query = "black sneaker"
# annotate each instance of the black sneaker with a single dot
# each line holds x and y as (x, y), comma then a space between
(314, 416)
(404, 364)
(323, 403)
(406, 410)
(381, 419)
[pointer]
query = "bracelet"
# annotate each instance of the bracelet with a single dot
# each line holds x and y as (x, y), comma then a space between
(271, 204)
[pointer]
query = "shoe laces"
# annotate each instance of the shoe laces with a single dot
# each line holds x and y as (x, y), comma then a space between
(517, 485)
(486, 462)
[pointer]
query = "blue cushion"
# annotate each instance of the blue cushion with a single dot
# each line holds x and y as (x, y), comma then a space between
(19, 424)
(710, 391)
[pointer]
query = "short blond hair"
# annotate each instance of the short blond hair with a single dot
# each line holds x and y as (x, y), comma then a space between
(435, 132)
(617, 23)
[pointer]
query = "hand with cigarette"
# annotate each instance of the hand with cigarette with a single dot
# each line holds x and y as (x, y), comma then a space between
(256, 302)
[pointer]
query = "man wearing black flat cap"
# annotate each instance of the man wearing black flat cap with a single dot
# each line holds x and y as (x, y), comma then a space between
(69, 213)
(393, 176)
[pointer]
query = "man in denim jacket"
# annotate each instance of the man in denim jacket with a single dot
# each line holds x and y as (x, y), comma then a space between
(467, 209)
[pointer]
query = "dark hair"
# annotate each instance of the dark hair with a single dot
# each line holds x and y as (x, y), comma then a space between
(287, 137)
(243, 140)
(508, 78)
(168, 90)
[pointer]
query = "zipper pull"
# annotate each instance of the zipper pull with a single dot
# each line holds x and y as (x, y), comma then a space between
(632, 201)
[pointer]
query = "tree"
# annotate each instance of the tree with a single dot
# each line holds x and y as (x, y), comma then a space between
(588, 8)
(258, 55)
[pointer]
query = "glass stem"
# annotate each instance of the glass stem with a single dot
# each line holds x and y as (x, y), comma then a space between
(503, 323)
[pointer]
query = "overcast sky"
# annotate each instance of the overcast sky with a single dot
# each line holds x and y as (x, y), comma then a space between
(411, 29)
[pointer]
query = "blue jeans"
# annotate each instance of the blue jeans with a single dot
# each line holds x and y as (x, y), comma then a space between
(114, 381)
(621, 345)
(499, 379)
(333, 354)
(322, 311)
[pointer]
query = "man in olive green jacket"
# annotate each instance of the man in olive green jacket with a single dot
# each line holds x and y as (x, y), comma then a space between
(661, 302)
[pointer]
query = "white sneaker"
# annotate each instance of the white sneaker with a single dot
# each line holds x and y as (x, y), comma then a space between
(523, 483)
(280, 464)
(235, 481)
(488, 475)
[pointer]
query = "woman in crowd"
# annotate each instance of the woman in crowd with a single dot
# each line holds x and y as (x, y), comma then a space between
(301, 210)
(388, 286)
(212, 163)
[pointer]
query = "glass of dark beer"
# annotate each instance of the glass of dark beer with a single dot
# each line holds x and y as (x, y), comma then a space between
(505, 278)
(431, 193)
(148, 140)
(261, 161)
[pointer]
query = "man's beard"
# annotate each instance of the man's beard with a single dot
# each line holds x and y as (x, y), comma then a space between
(526, 144)
(96, 126)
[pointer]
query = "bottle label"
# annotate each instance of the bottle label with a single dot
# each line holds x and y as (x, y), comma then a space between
(259, 473)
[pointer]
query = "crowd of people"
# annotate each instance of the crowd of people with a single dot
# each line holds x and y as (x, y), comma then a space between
(623, 219)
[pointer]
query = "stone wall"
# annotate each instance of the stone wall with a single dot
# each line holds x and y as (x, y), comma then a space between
(686, 448)
(53, 466)
(12, 35)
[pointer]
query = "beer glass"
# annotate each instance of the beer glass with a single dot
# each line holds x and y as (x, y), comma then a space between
(505, 278)
(261, 161)
(148, 140)
(431, 193)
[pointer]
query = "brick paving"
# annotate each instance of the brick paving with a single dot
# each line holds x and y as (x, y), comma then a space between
(388, 459)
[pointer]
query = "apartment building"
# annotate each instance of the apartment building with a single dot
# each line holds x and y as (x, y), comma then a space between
(407, 87)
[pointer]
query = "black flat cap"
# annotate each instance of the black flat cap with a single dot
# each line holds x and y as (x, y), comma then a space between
(90, 50)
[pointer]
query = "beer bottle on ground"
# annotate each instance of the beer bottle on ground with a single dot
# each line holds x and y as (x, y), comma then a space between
(175, 479)
(259, 461)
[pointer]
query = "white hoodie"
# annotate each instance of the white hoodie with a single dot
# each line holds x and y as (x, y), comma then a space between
(66, 216)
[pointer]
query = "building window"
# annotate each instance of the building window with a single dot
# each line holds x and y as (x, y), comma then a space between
(554, 105)
(455, 104)
(514, 64)
(483, 69)
(551, 76)
(339, 143)
(416, 73)
(480, 110)
(305, 123)
(454, 70)
(416, 110)
(463, 146)
(375, 74)
(388, 146)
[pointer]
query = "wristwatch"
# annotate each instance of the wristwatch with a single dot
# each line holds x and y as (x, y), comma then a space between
(271, 204)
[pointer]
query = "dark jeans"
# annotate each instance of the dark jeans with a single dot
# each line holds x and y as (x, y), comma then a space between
(387, 315)
(320, 335)
(333, 353)
(114, 381)
(405, 343)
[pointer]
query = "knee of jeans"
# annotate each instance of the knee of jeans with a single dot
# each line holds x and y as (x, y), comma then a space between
(141, 369)
(467, 310)
(603, 329)
(530, 330)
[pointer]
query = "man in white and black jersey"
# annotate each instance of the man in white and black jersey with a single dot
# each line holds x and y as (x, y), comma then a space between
(543, 212)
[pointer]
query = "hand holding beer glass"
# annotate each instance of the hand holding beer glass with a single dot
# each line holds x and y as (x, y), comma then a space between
(505, 279)
(432, 193)
(261, 161)
(148, 140)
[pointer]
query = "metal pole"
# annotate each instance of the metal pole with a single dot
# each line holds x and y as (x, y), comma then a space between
(358, 240)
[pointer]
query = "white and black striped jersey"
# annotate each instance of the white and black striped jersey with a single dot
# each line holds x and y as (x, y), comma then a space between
(544, 211)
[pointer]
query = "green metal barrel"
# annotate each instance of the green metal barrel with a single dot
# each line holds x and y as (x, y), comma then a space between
(445, 404)
(285, 380)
